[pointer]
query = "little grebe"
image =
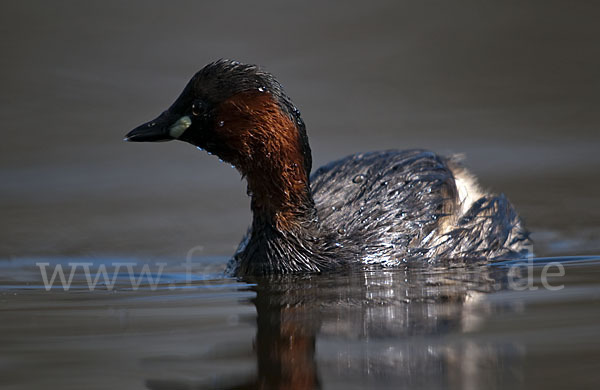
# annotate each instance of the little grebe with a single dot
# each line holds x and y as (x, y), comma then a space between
(371, 208)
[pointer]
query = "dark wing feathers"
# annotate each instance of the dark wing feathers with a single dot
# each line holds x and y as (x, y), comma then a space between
(398, 205)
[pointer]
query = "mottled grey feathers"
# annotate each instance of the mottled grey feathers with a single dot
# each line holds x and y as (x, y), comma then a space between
(386, 208)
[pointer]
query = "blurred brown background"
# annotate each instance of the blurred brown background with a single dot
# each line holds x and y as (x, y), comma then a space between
(514, 85)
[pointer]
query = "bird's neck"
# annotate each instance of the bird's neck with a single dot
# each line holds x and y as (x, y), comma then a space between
(271, 151)
(281, 197)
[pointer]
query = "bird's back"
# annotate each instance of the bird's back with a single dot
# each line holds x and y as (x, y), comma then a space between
(399, 205)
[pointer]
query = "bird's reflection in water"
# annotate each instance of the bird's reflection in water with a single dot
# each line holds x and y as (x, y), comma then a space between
(414, 327)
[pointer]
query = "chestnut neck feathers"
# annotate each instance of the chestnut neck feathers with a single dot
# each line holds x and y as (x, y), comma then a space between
(266, 145)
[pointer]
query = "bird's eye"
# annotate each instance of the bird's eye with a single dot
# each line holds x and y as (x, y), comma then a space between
(197, 108)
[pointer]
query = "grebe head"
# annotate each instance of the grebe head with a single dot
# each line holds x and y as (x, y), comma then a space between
(241, 114)
(233, 110)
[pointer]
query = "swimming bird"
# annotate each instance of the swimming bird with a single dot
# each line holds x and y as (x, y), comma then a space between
(376, 208)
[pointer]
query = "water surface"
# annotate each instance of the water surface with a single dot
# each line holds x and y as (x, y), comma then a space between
(469, 326)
